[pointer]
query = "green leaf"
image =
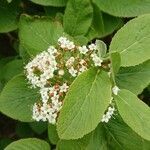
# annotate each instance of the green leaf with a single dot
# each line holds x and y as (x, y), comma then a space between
(38, 127)
(77, 19)
(120, 136)
(9, 1)
(11, 69)
(9, 14)
(134, 112)
(17, 99)
(132, 41)
(115, 135)
(37, 34)
(3, 62)
(28, 144)
(135, 79)
(115, 63)
(124, 8)
(102, 24)
(84, 104)
(56, 3)
(4, 142)
(52, 134)
(101, 47)
(53, 11)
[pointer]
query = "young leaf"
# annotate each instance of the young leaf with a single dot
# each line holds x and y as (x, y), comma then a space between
(115, 63)
(37, 34)
(134, 78)
(101, 47)
(134, 112)
(8, 15)
(77, 19)
(84, 104)
(17, 99)
(28, 144)
(124, 8)
(102, 24)
(132, 41)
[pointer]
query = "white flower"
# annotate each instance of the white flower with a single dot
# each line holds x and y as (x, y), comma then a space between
(62, 39)
(82, 68)
(105, 118)
(61, 72)
(52, 50)
(55, 98)
(83, 49)
(73, 72)
(70, 45)
(65, 43)
(97, 60)
(82, 62)
(111, 110)
(44, 95)
(52, 118)
(70, 61)
(52, 91)
(57, 106)
(92, 47)
(64, 88)
(115, 90)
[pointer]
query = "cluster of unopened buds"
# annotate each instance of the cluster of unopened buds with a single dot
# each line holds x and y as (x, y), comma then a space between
(108, 115)
(110, 111)
(53, 70)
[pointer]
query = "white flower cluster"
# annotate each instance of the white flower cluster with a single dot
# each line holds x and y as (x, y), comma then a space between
(108, 115)
(47, 111)
(53, 66)
(42, 68)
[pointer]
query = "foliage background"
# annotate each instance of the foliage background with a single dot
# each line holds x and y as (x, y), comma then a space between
(28, 27)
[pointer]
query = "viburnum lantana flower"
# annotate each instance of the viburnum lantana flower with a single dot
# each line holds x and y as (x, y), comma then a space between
(53, 71)
(108, 114)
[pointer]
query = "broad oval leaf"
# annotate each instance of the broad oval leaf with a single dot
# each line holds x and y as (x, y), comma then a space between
(134, 78)
(134, 112)
(57, 3)
(17, 99)
(124, 8)
(132, 41)
(37, 34)
(84, 105)
(9, 15)
(28, 144)
(77, 19)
